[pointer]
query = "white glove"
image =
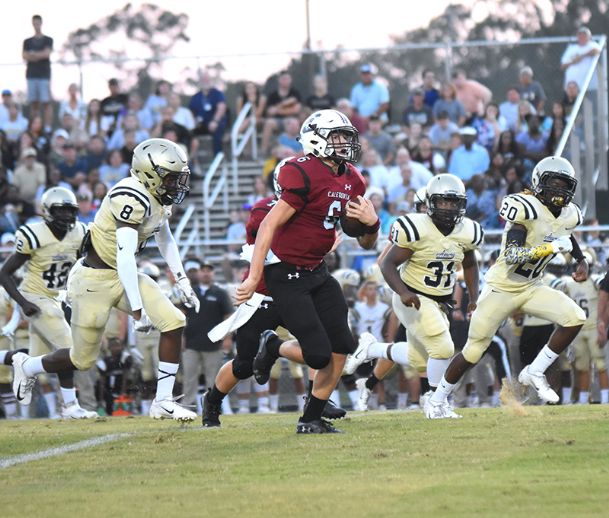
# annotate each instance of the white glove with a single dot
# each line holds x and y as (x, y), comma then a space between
(562, 244)
(187, 295)
(143, 325)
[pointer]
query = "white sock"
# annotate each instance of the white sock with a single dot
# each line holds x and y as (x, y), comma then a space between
(566, 395)
(263, 402)
(544, 359)
(33, 366)
(51, 400)
(583, 397)
(274, 399)
(378, 350)
(2, 356)
(495, 399)
(399, 353)
(435, 370)
(354, 397)
(300, 401)
(166, 378)
(146, 406)
(443, 391)
(199, 403)
(68, 395)
(604, 396)
(402, 399)
(335, 397)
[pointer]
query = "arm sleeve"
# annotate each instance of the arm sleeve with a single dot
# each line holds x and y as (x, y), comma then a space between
(126, 241)
(169, 250)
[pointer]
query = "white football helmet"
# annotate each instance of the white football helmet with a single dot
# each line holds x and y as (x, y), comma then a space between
(449, 188)
(554, 168)
(150, 269)
(162, 167)
(59, 208)
(420, 200)
(330, 134)
(346, 277)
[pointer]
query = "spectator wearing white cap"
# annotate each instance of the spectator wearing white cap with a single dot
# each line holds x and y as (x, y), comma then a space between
(420, 174)
(29, 176)
(578, 57)
(470, 158)
(369, 96)
(531, 90)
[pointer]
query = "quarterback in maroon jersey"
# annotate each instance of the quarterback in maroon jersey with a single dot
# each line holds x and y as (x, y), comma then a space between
(316, 190)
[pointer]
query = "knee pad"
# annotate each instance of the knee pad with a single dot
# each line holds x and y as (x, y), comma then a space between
(317, 361)
(442, 351)
(473, 351)
(242, 369)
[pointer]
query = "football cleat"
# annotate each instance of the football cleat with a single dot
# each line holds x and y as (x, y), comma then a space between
(364, 394)
(168, 409)
(75, 411)
(22, 384)
(539, 382)
(331, 411)
(264, 360)
(450, 413)
(360, 355)
(316, 426)
(424, 398)
(435, 410)
(211, 412)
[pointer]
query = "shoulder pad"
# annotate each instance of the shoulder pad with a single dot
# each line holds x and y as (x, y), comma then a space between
(477, 235)
(129, 205)
(518, 208)
(26, 239)
(404, 230)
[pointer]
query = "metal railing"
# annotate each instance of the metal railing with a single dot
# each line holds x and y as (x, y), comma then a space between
(210, 195)
(587, 147)
(239, 139)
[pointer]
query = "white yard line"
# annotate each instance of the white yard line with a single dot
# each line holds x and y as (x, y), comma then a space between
(7, 462)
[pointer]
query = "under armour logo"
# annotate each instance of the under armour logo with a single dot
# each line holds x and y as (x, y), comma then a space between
(264, 305)
(348, 187)
(293, 275)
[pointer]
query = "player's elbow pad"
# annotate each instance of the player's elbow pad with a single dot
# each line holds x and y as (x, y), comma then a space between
(126, 246)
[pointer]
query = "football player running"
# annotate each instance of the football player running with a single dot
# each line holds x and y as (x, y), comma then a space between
(47, 250)
(134, 210)
(539, 225)
(420, 267)
(316, 190)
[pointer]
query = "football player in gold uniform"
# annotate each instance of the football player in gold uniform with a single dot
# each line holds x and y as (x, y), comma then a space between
(47, 250)
(134, 210)
(420, 267)
(539, 225)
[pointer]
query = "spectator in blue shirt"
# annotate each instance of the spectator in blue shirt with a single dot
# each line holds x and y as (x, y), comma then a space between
(289, 136)
(482, 202)
(208, 106)
(532, 143)
(370, 97)
(470, 158)
(72, 167)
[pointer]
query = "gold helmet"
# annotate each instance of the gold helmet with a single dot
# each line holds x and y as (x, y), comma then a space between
(162, 167)
(59, 208)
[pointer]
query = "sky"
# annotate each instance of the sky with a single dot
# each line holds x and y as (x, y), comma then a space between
(235, 27)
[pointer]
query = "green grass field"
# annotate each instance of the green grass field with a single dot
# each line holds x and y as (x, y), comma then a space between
(552, 462)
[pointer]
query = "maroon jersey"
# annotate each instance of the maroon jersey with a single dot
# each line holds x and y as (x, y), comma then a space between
(257, 214)
(319, 196)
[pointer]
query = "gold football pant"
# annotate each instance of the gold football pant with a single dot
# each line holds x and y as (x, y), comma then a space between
(495, 306)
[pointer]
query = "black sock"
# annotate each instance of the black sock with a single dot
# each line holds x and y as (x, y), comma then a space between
(215, 396)
(310, 386)
(372, 381)
(424, 385)
(273, 345)
(314, 409)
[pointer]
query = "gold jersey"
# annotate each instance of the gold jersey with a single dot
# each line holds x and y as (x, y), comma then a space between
(128, 202)
(542, 227)
(432, 268)
(585, 295)
(46, 272)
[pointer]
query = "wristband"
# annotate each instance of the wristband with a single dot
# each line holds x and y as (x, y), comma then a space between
(373, 229)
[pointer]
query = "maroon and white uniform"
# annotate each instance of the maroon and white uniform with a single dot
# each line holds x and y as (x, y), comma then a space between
(320, 197)
(257, 214)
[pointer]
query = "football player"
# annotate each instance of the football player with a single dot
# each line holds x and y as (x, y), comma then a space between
(539, 225)
(47, 250)
(585, 347)
(134, 210)
(316, 190)
(420, 267)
